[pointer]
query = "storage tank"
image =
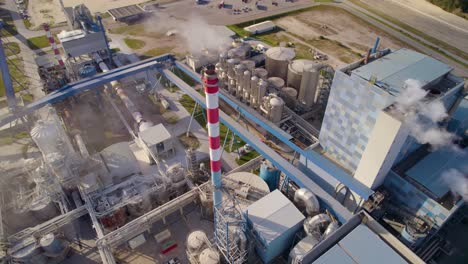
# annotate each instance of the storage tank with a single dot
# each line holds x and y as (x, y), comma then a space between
(246, 86)
(231, 63)
(413, 236)
(270, 174)
(289, 96)
(209, 256)
(43, 208)
(308, 88)
(262, 89)
(276, 109)
(295, 71)
(27, 253)
(250, 179)
(249, 64)
(277, 61)
(196, 241)
(51, 244)
(276, 83)
(261, 73)
(239, 70)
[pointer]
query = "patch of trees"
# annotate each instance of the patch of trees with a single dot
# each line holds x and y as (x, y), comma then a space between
(451, 5)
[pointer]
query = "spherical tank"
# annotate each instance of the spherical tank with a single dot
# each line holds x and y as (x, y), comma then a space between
(289, 96)
(276, 110)
(308, 86)
(295, 71)
(250, 179)
(209, 256)
(276, 83)
(196, 241)
(277, 60)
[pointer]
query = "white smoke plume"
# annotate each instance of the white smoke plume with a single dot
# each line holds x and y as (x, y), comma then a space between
(457, 181)
(197, 34)
(411, 102)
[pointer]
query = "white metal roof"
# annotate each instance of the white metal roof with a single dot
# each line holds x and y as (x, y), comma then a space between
(65, 36)
(361, 246)
(155, 134)
(273, 215)
(261, 27)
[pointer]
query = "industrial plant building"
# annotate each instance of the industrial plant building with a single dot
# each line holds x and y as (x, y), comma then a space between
(338, 175)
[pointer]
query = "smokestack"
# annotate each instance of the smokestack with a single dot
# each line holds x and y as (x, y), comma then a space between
(53, 45)
(210, 82)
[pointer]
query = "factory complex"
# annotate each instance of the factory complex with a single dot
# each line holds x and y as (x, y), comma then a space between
(243, 152)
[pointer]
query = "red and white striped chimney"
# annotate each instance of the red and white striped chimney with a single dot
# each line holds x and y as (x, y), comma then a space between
(210, 81)
(53, 44)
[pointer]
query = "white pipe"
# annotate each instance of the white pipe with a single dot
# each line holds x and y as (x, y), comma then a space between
(313, 225)
(306, 198)
(136, 114)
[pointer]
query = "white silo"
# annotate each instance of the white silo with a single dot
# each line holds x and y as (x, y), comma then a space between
(246, 86)
(276, 83)
(295, 71)
(308, 88)
(272, 107)
(289, 96)
(261, 73)
(239, 71)
(277, 60)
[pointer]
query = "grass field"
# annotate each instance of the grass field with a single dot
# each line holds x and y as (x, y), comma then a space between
(38, 42)
(18, 78)
(11, 48)
(134, 43)
(247, 157)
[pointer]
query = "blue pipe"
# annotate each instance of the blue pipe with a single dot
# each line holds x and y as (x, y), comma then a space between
(376, 45)
(9, 90)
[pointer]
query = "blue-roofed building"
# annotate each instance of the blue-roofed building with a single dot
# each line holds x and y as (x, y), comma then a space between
(458, 123)
(359, 130)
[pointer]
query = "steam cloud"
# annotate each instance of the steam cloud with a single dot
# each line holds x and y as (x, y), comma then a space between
(197, 34)
(457, 181)
(422, 116)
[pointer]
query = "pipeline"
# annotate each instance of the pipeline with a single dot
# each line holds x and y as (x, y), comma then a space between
(137, 116)
(210, 82)
(314, 226)
(306, 198)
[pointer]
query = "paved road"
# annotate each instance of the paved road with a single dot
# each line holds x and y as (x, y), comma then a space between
(22, 30)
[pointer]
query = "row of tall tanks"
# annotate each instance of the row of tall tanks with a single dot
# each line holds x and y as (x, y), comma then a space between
(298, 84)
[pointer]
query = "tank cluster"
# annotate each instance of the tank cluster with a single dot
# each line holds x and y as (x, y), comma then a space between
(49, 248)
(317, 226)
(199, 249)
(297, 84)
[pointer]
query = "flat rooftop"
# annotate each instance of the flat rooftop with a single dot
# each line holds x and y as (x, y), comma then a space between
(361, 246)
(392, 70)
(429, 171)
(124, 12)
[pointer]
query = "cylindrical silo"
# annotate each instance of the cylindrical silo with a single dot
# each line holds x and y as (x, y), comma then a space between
(277, 60)
(43, 208)
(253, 90)
(51, 244)
(276, 83)
(250, 64)
(295, 70)
(289, 96)
(239, 70)
(261, 73)
(231, 63)
(270, 175)
(246, 86)
(276, 109)
(308, 88)
(261, 91)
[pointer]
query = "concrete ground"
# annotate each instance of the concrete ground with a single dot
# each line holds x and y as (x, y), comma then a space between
(46, 11)
(428, 19)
